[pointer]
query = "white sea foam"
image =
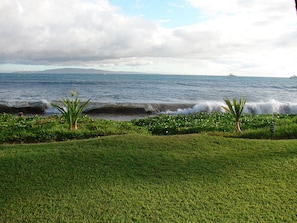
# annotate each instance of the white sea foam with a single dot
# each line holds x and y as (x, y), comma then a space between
(270, 107)
(205, 106)
(255, 108)
(264, 107)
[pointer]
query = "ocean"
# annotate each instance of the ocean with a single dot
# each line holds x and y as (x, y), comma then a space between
(145, 94)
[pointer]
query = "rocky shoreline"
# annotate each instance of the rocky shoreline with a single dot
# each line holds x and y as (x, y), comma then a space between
(25, 110)
(94, 109)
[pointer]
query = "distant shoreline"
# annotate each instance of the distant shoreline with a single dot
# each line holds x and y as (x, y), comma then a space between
(76, 71)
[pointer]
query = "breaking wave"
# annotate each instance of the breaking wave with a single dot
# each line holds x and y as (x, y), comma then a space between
(254, 108)
(96, 108)
(27, 107)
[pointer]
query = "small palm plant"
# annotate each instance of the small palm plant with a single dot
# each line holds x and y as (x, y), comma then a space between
(71, 109)
(235, 109)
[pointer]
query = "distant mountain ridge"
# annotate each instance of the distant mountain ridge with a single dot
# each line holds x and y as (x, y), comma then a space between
(73, 71)
(78, 71)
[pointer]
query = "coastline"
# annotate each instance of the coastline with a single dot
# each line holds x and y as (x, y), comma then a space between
(111, 111)
(130, 110)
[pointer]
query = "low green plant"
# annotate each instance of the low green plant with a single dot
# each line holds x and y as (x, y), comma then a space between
(256, 126)
(71, 109)
(15, 129)
(32, 129)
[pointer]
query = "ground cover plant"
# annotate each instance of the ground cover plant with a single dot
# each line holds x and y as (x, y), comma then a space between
(253, 126)
(143, 178)
(55, 128)
(24, 129)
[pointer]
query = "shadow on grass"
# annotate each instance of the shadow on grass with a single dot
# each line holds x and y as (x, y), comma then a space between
(58, 168)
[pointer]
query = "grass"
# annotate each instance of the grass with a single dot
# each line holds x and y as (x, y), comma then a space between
(143, 178)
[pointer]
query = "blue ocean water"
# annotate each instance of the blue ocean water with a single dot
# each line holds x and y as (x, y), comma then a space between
(156, 93)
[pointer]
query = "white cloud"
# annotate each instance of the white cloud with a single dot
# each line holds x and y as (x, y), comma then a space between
(52, 31)
(245, 37)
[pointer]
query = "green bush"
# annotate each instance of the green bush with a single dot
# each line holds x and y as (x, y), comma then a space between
(71, 109)
(235, 108)
(193, 123)
(54, 128)
(255, 126)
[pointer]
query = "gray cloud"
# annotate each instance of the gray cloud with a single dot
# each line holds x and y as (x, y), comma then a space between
(76, 32)
(47, 31)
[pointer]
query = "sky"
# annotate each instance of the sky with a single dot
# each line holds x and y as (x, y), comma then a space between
(213, 37)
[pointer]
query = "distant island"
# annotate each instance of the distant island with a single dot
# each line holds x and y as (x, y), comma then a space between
(293, 77)
(78, 71)
(231, 75)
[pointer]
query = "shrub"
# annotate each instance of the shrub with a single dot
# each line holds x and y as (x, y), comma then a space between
(235, 108)
(71, 109)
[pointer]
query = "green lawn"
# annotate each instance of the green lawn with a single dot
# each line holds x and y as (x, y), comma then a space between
(142, 178)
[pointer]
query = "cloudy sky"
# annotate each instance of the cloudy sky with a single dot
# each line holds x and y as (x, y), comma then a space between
(213, 37)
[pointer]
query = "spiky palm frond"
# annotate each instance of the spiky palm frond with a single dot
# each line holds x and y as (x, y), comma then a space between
(235, 108)
(71, 110)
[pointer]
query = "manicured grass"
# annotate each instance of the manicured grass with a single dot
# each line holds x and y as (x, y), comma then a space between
(142, 178)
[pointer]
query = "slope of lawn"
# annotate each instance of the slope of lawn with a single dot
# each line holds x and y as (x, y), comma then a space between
(142, 178)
